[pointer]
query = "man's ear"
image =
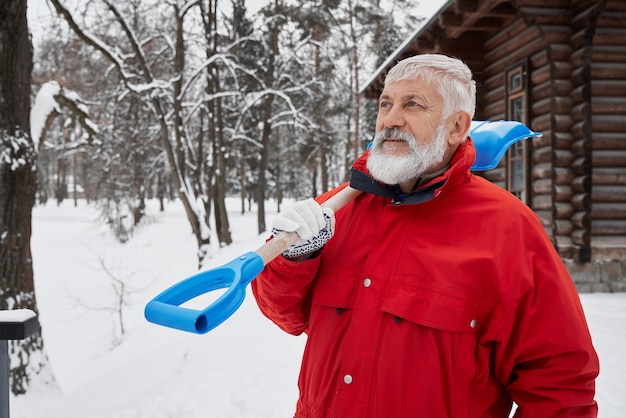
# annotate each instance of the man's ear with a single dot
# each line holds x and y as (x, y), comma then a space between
(458, 126)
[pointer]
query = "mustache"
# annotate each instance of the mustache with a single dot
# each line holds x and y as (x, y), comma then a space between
(394, 134)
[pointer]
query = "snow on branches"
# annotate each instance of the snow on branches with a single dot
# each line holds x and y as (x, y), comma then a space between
(44, 106)
(49, 101)
(16, 149)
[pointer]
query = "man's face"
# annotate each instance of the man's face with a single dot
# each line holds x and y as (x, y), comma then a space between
(411, 137)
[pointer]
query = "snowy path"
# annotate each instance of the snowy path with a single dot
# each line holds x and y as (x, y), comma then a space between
(246, 368)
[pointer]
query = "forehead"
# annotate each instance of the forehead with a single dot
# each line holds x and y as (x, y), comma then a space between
(414, 87)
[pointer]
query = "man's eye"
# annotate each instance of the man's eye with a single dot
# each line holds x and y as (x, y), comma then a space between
(412, 104)
(385, 104)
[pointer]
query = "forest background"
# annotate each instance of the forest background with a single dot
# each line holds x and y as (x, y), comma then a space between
(199, 100)
(189, 101)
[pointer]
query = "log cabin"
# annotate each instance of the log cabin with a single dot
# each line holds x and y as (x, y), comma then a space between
(559, 66)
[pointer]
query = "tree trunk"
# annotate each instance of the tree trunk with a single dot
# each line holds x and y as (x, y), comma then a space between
(216, 126)
(267, 125)
(357, 97)
(17, 186)
(263, 164)
(323, 140)
(222, 225)
(242, 184)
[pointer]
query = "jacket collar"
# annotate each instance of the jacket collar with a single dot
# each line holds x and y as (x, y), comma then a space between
(459, 167)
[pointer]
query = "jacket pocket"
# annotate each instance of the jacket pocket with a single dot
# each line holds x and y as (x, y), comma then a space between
(435, 307)
(335, 291)
(432, 334)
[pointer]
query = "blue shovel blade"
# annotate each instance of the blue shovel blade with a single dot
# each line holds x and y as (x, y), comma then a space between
(492, 139)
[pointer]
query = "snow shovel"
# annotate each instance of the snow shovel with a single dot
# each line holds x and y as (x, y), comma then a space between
(491, 140)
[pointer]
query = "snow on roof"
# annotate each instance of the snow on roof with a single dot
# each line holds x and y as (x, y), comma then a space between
(404, 45)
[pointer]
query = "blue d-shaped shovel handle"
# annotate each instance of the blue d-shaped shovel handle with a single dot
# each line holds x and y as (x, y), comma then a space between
(165, 308)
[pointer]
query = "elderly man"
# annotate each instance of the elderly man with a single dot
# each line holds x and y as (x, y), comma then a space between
(440, 294)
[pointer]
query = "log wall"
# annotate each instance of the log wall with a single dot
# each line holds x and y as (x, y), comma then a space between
(607, 73)
(576, 59)
(575, 55)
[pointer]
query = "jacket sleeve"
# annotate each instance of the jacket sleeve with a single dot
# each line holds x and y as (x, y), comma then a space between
(546, 358)
(283, 292)
(284, 287)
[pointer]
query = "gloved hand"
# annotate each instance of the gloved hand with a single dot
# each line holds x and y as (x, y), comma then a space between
(314, 224)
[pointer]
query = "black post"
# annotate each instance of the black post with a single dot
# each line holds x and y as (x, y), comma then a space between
(14, 325)
(4, 379)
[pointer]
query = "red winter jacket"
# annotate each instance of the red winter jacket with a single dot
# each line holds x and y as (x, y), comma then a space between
(454, 304)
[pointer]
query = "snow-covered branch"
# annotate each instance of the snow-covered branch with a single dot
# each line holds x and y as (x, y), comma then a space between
(49, 102)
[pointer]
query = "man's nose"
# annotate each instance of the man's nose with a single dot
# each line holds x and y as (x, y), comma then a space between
(394, 118)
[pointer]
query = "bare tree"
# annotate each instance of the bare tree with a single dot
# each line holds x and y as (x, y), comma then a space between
(216, 182)
(268, 94)
(17, 185)
(139, 71)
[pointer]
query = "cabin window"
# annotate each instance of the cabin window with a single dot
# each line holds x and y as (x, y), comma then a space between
(517, 176)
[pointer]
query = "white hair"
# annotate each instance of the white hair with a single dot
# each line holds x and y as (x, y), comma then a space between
(453, 77)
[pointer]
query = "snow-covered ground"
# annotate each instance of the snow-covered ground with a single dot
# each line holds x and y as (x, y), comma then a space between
(245, 368)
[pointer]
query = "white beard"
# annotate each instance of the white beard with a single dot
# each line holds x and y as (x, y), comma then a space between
(393, 169)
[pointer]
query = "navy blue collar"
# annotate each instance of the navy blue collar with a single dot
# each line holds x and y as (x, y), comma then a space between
(361, 181)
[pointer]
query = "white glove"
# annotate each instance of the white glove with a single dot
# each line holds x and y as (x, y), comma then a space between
(306, 218)
(314, 224)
